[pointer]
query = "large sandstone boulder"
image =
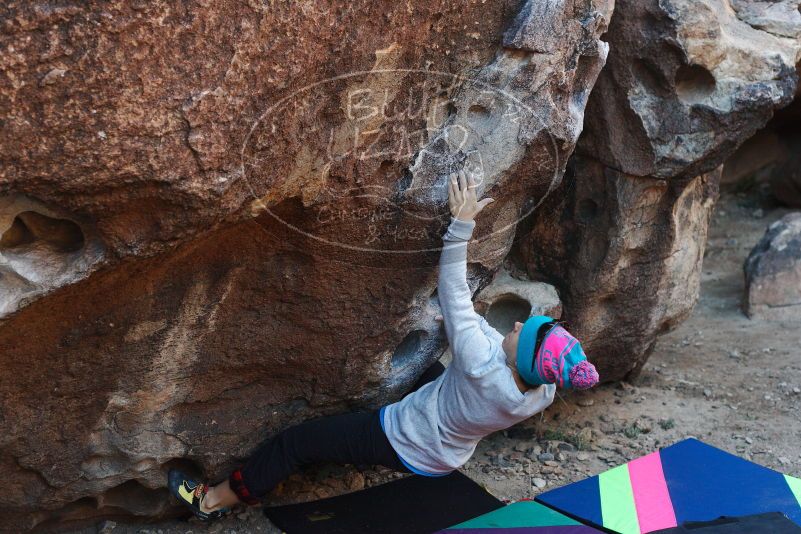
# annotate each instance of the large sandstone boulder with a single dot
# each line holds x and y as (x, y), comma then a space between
(623, 239)
(773, 272)
(687, 82)
(221, 219)
(630, 250)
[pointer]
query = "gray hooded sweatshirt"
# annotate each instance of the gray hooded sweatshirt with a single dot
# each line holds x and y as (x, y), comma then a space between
(436, 429)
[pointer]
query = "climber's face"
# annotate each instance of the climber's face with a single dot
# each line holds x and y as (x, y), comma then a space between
(509, 344)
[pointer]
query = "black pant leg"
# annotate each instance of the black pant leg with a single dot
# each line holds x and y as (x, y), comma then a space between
(352, 438)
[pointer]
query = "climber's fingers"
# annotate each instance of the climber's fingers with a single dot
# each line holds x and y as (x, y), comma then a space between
(453, 187)
(453, 191)
(471, 181)
(462, 182)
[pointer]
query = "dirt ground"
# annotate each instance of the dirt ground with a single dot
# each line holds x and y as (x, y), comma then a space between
(721, 377)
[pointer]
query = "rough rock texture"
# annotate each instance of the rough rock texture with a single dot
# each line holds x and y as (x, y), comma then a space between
(239, 207)
(685, 84)
(630, 248)
(773, 272)
(508, 299)
(39, 251)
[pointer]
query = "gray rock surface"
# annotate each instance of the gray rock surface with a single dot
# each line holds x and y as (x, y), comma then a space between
(509, 299)
(623, 239)
(773, 272)
(687, 82)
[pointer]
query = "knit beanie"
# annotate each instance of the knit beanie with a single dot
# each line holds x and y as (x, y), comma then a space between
(559, 360)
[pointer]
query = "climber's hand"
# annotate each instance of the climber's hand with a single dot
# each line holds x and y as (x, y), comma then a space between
(462, 197)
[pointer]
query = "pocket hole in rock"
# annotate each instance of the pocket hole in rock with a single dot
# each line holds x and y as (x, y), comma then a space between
(408, 348)
(694, 83)
(135, 498)
(30, 227)
(507, 309)
(386, 167)
(40, 251)
(477, 112)
(587, 210)
(649, 76)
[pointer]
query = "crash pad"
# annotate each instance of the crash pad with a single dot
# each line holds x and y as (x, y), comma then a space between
(772, 522)
(688, 481)
(415, 504)
(524, 517)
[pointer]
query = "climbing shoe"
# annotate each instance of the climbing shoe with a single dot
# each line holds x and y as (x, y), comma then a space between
(191, 493)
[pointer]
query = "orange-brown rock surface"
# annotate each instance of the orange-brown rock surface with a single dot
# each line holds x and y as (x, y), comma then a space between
(222, 218)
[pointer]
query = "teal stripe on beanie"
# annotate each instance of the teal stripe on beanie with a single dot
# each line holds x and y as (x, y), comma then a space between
(526, 343)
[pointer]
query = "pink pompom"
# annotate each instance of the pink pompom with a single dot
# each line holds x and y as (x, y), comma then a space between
(583, 375)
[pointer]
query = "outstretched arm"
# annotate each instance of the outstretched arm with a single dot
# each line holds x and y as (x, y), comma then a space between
(469, 344)
(488, 329)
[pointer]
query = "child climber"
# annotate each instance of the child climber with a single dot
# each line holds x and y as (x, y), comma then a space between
(493, 383)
